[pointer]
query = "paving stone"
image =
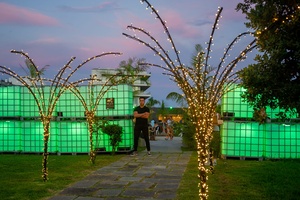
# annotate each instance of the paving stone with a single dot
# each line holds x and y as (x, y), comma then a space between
(108, 192)
(85, 183)
(78, 191)
(134, 193)
(142, 185)
(110, 185)
(130, 178)
(139, 178)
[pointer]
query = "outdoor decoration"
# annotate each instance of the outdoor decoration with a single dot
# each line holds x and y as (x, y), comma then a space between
(46, 104)
(202, 85)
(91, 103)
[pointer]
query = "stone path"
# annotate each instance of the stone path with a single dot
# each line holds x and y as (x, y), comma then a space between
(140, 177)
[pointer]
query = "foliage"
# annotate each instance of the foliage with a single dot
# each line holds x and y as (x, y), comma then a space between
(132, 67)
(178, 98)
(215, 144)
(260, 115)
(150, 103)
(275, 79)
(31, 71)
(115, 133)
(99, 123)
(163, 111)
(188, 136)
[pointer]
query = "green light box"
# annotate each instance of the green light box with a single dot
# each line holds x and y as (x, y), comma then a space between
(243, 137)
(21, 130)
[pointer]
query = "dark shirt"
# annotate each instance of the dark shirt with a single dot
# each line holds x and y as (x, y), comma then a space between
(139, 120)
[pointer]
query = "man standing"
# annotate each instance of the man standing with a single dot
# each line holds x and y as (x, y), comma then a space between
(141, 114)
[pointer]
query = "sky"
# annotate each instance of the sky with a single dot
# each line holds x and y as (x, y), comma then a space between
(52, 32)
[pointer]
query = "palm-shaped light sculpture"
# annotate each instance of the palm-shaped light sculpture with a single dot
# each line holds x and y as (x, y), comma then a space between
(90, 104)
(46, 101)
(202, 85)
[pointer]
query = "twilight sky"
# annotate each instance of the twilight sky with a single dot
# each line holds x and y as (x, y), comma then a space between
(51, 32)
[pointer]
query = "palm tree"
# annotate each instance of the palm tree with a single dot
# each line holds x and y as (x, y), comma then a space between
(178, 98)
(32, 71)
(150, 103)
(132, 67)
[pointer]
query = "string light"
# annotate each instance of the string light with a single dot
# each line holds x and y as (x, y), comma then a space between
(202, 85)
(46, 106)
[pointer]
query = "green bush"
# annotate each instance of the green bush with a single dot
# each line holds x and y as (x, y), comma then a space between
(188, 136)
(115, 133)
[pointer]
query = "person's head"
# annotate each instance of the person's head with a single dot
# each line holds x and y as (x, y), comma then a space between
(142, 101)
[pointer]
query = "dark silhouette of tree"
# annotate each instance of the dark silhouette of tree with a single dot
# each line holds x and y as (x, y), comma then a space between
(274, 80)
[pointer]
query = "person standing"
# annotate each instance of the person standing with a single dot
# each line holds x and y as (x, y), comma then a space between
(170, 133)
(141, 114)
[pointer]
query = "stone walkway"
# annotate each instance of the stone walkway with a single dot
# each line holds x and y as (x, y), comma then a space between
(140, 177)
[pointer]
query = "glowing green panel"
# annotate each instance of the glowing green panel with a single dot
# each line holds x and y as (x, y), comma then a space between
(32, 136)
(10, 136)
(73, 137)
(10, 101)
(253, 140)
(69, 136)
(244, 138)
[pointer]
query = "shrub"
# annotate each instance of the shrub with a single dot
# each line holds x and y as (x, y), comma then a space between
(115, 133)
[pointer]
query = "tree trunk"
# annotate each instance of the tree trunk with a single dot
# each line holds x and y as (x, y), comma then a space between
(91, 120)
(46, 125)
(203, 135)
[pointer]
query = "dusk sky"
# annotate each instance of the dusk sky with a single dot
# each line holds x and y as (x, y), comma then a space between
(51, 32)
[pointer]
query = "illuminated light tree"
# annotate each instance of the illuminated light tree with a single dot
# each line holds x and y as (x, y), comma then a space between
(201, 84)
(91, 103)
(46, 102)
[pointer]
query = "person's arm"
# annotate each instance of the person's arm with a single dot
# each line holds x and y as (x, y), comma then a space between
(136, 114)
(141, 115)
(145, 115)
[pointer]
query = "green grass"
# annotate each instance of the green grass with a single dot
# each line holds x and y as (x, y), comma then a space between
(236, 179)
(21, 175)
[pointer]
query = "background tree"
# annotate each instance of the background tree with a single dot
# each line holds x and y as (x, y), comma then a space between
(163, 110)
(31, 70)
(132, 68)
(150, 103)
(274, 80)
(178, 98)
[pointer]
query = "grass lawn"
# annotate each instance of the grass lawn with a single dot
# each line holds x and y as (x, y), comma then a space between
(21, 175)
(236, 179)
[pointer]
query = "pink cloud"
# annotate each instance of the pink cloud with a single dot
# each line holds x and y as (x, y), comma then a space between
(176, 23)
(10, 14)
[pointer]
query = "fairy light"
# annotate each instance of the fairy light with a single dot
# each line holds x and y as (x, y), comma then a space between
(46, 106)
(202, 85)
(94, 100)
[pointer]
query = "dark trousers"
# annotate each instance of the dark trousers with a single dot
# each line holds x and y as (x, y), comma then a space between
(141, 129)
